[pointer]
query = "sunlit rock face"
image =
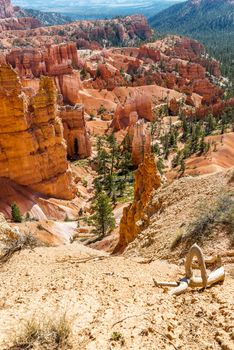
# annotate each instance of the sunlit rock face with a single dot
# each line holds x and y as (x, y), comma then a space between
(75, 131)
(32, 148)
(55, 60)
(147, 180)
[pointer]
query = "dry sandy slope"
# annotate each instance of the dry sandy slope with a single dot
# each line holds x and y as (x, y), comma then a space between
(174, 207)
(96, 294)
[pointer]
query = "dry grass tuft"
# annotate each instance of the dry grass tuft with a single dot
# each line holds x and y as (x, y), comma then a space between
(220, 214)
(48, 334)
(177, 240)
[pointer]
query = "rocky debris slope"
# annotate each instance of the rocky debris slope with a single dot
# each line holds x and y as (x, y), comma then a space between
(111, 302)
(7, 235)
(174, 207)
(45, 18)
(32, 148)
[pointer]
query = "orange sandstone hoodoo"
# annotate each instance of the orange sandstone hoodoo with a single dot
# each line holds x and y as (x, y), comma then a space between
(32, 148)
(147, 180)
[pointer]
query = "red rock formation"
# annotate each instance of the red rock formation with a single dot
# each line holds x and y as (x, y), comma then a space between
(6, 9)
(75, 131)
(140, 141)
(183, 48)
(13, 23)
(141, 104)
(55, 60)
(215, 109)
(124, 31)
(146, 181)
(32, 148)
(147, 52)
(210, 93)
(69, 85)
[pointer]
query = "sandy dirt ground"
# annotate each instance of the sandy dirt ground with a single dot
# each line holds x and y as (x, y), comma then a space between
(101, 294)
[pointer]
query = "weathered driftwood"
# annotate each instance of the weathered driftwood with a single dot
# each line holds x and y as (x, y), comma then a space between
(165, 284)
(206, 280)
(196, 282)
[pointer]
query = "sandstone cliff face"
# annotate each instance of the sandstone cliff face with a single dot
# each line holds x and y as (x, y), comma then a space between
(75, 131)
(32, 148)
(146, 181)
(69, 86)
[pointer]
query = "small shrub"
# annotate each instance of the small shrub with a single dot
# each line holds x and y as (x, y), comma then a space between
(84, 182)
(117, 337)
(27, 217)
(40, 227)
(101, 110)
(15, 213)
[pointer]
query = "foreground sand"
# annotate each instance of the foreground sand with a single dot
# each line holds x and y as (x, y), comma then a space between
(98, 294)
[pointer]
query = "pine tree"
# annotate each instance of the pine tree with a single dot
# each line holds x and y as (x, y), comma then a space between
(114, 152)
(202, 145)
(103, 160)
(103, 217)
(15, 213)
(182, 166)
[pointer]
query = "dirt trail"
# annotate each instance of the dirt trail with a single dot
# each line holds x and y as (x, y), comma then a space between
(98, 294)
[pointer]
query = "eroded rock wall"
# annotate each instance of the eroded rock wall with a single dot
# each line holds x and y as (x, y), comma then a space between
(32, 148)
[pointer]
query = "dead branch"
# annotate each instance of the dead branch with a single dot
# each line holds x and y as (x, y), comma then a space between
(23, 242)
(127, 317)
(206, 280)
(82, 261)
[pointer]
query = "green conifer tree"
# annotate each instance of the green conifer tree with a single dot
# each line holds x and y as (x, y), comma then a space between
(103, 218)
(15, 213)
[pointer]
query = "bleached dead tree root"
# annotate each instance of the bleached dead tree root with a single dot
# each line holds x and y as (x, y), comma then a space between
(206, 280)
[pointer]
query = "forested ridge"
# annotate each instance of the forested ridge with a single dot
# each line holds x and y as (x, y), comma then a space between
(209, 21)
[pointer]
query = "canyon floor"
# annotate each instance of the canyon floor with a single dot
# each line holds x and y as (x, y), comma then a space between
(104, 296)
